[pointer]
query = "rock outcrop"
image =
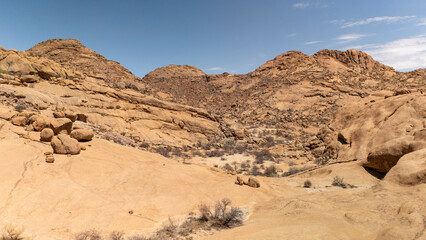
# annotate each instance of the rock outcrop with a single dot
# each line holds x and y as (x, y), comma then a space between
(410, 170)
(72, 54)
(385, 156)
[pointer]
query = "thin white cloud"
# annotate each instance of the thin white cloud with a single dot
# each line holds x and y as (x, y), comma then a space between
(386, 19)
(403, 54)
(301, 5)
(422, 22)
(350, 37)
(215, 69)
(312, 42)
(292, 35)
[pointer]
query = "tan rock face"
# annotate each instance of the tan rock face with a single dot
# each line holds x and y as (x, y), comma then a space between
(63, 144)
(61, 125)
(82, 134)
(384, 157)
(46, 135)
(375, 127)
(410, 170)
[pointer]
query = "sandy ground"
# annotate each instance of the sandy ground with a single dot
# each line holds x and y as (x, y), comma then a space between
(98, 188)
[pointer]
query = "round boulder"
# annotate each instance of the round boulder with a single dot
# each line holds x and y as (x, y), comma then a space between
(253, 182)
(82, 134)
(46, 135)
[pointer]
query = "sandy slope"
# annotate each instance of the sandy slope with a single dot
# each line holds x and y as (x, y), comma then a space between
(382, 212)
(99, 187)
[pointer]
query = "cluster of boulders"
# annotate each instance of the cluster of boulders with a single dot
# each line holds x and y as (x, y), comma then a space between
(251, 182)
(59, 131)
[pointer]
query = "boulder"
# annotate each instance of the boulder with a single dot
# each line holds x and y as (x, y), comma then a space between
(64, 144)
(253, 182)
(29, 79)
(410, 169)
(82, 117)
(239, 181)
(82, 134)
(385, 156)
(39, 122)
(50, 158)
(70, 115)
(58, 114)
(20, 121)
(61, 125)
(46, 135)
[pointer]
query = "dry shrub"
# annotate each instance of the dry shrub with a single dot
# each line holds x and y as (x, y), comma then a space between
(294, 170)
(12, 233)
(89, 235)
(255, 171)
(263, 155)
(228, 167)
(338, 182)
(224, 216)
(307, 184)
(270, 171)
(163, 151)
(116, 235)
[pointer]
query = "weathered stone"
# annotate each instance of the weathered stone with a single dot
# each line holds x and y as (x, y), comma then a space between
(410, 169)
(82, 134)
(50, 159)
(70, 115)
(19, 121)
(61, 125)
(253, 182)
(82, 117)
(385, 156)
(63, 144)
(39, 122)
(29, 79)
(59, 114)
(46, 135)
(239, 181)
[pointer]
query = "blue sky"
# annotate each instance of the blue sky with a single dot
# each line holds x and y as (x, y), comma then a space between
(235, 36)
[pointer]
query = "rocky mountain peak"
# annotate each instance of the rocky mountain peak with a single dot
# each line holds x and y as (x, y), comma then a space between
(73, 54)
(353, 59)
(175, 71)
